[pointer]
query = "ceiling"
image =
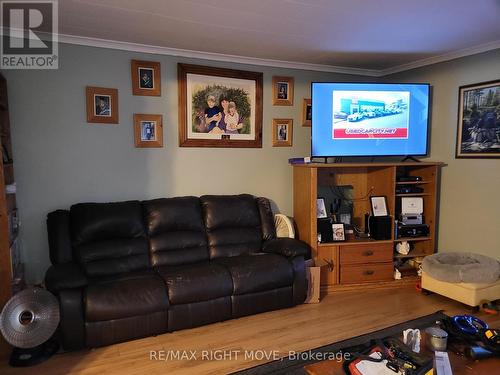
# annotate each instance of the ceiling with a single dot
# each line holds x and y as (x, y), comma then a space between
(376, 36)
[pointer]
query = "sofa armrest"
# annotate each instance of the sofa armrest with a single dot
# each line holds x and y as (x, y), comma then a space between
(288, 247)
(65, 276)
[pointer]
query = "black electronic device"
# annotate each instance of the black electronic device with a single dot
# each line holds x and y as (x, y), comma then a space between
(413, 230)
(408, 178)
(325, 230)
(409, 189)
(379, 227)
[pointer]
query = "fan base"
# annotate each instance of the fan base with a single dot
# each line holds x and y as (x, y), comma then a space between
(33, 356)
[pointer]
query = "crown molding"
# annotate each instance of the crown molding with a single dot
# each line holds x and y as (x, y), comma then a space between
(442, 58)
(157, 50)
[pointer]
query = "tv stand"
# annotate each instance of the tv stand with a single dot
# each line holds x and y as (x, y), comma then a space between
(410, 158)
(361, 263)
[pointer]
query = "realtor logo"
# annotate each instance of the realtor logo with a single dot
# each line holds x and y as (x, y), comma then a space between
(29, 35)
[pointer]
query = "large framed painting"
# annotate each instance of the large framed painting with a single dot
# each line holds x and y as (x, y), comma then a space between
(219, 107)
(478, 131)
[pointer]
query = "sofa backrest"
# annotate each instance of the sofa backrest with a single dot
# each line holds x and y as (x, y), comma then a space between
(109, 238)
(175, 230)
(233, 224)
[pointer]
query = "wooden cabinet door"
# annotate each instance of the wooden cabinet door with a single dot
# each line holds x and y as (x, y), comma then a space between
(328, 260)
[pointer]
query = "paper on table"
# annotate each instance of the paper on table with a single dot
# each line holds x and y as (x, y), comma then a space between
(375, 368)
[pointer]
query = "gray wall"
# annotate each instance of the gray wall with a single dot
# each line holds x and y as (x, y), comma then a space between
(470, 188)
(60, 159)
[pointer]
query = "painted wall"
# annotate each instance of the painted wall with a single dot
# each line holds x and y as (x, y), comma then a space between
(470, 189)
(61, 160)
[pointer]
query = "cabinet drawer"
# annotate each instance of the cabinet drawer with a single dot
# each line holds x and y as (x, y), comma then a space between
(366, 253)
(365, 273)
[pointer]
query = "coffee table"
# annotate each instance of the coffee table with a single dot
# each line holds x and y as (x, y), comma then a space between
(459, 365)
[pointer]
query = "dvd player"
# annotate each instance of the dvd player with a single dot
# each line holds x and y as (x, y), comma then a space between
(413, 230)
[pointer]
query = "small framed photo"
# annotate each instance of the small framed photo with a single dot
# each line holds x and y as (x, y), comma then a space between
(146, 78)
(320, 208)
(283, 90)
(282, 132)
(102, 105)
(478, 131)
(148, 131)
(306, 112)
(338, 230)
(379, 206)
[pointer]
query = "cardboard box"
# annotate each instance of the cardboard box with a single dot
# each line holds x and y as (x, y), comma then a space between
(313, 284)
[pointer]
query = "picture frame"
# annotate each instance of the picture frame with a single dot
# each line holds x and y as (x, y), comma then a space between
(219, 107)
(306, 112)
(320, 208)
(146, 78)
(148, 130)
(478, 134)
(102, 105)
(282, 132)
(379, 205)
(338, 230)
(283, 90)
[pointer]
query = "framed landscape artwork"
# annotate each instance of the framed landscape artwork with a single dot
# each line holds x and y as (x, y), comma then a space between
(148, 131)
(146, 78)
(102, 105)
(478, 130)
(219, 107)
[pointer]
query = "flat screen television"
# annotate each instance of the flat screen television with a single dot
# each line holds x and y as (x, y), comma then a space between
(369, 119)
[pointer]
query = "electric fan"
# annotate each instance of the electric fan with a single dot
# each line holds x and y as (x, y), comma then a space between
(284, 226)
(27, 322)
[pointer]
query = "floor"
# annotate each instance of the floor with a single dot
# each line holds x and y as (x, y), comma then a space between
(248, 341)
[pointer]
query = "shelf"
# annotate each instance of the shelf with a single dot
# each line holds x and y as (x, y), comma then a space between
(411, 254)
(411, 239)
(413, 195)
(412, 182)
(353, 242)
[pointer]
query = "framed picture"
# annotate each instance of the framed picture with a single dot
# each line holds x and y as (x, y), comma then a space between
(379, 206)
(102, 105)
(148, 131)
(282, 90)
(478, 130)
(282, 132)
(338, 230)
(320, 208)
(219, 107)
(146, 78)
(306, 112)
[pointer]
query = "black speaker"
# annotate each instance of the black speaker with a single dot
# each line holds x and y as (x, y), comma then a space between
(379, 227)
(325, 229)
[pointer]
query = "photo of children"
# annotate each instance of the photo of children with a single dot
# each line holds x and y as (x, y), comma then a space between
(102, 105)
(282, 132)
(148, 131)
(146, 78)
(220, 107)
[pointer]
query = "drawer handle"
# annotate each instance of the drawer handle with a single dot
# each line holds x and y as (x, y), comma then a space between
(368, 273)
(330, 264)
(368, 253)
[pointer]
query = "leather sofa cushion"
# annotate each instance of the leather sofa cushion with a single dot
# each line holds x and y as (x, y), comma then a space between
(230, 211)
(177, 234)
(196, 282)
(92, 222)
(113, 256)
(131, 294)
(258, 272)
(173, 214)
(233, 224)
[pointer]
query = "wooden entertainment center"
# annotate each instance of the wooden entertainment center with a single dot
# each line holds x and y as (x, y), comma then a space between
(363, 262)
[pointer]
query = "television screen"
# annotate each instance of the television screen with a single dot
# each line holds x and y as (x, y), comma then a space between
(369, 119)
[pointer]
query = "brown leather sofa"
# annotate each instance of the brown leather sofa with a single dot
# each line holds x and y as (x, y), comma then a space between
(127, 270)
